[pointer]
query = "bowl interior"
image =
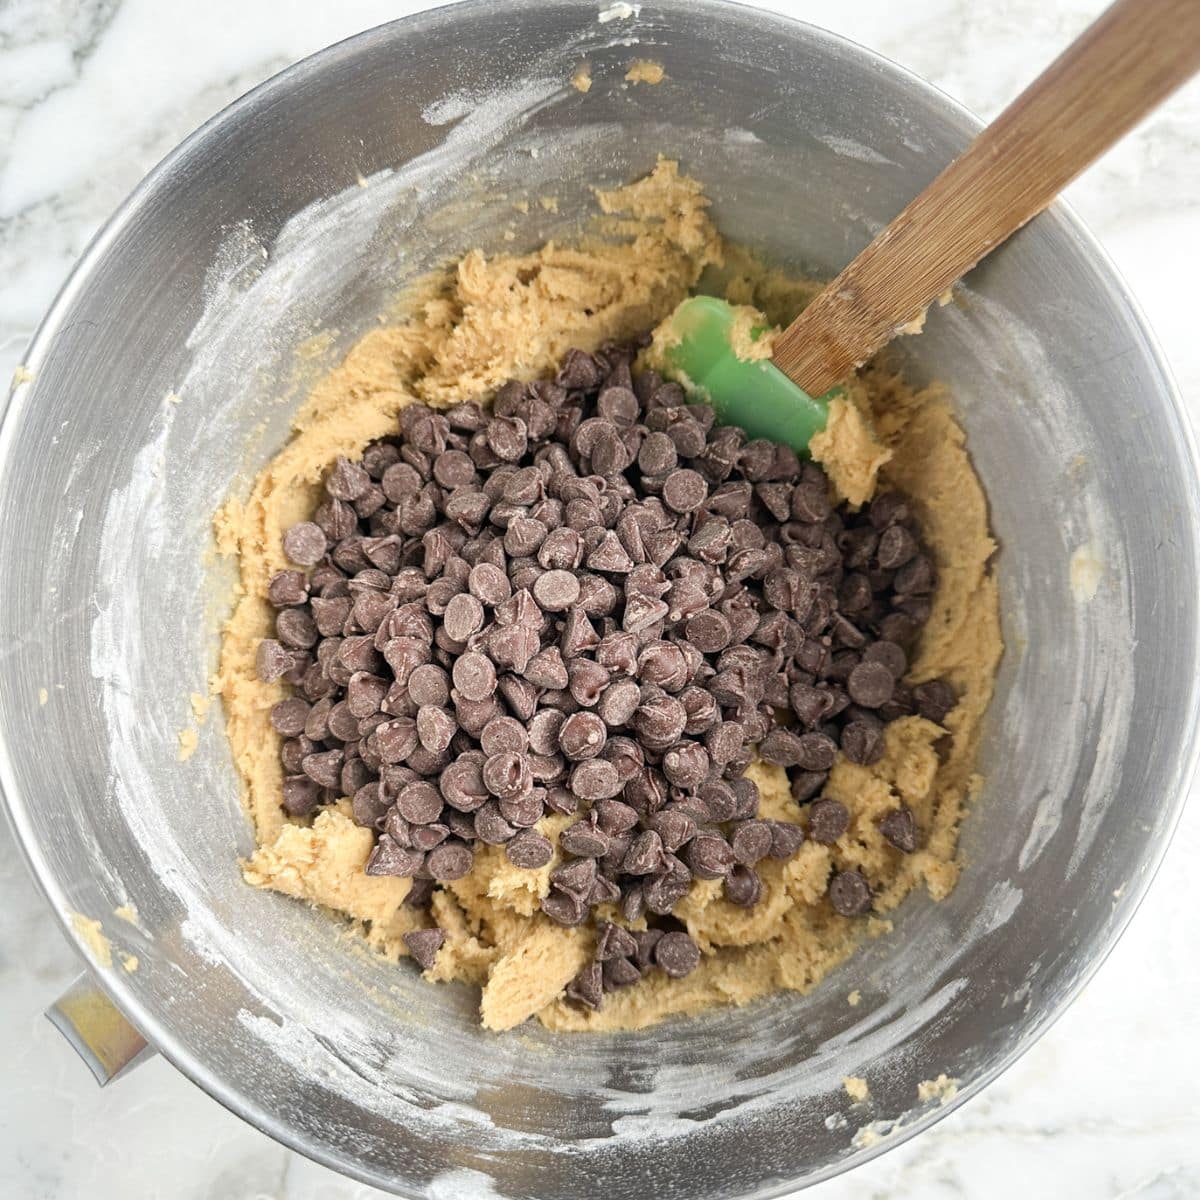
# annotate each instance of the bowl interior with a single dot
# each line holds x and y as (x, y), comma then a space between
(212, 282)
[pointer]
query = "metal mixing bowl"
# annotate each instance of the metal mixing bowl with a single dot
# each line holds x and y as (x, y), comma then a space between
(210, 281)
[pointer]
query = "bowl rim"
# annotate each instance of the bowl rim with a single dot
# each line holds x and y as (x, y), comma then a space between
(431, 21)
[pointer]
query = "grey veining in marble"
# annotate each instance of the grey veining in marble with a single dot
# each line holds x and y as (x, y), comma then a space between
(92, 94)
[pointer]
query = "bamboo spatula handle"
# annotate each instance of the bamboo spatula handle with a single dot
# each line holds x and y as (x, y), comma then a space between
(1133, 57)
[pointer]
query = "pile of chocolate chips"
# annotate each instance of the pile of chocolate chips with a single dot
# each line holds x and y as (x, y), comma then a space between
(592, 601)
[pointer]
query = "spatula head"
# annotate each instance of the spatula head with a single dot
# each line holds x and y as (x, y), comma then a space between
(696, 349)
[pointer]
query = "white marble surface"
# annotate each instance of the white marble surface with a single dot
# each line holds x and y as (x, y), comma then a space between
(93, 93)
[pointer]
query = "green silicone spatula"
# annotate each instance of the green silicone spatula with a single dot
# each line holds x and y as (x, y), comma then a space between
(1131, 59)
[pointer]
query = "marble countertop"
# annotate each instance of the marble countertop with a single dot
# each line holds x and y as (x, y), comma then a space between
(92, 94)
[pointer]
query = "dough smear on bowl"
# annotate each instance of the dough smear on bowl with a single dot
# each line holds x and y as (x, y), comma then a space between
(491, 319)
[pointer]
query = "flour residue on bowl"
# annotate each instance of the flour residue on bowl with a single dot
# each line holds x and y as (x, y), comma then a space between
(620, 11)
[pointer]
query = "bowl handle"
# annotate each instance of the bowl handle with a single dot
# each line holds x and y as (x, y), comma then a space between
(97, 1030)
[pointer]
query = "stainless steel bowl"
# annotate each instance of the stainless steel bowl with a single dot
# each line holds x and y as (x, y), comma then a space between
(253, 236)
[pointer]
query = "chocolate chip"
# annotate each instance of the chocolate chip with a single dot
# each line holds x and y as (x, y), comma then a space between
(365, 694)
(619, 973)
(435, 727)
(489, 584)
(429, 685)
(556, 590)
(786, 839)
(503, 735)
(575, 877)
(565, 908)
(724, 742)
(273, 660)
(870, 684)
(684, 490)
(454, 469)
(663, 664)
(934, 700)
(288, 717)
(782, 748)
(743, 887)
(460, 824)
(420, 893)
(745, 798)
(347, 480)
(708, 856)
(674, 828)
(863, 742)
(578, 634)
(305, 543)
(324, 768)
(586, 681)
(888, 508)
(491, 826)
(288, 588)
(667, 888)
(583, 839)
(828, 820)
(676, 954)
(399, 481)
(751, 841)
(849, 893)
(390, 858)
(368, 805)
(546, 669)
(395, 740)
(423, 945)
(709, 631)
(300, 795)
(463, 616)
(657, 454)
(529, 850)
(612, 942)
(716, 801)
(507, 775)
(544, 731)
(633, 902)
(890, 655)
(419, 803)
(582, 735)
(547, 768)
(586, 988)
(659, 720)
(474, 676)
(685, 764)
(451, 860)
(426, 837)
(896, 547)
(900, 828)
(645, 854)
(618, 702)
(818, 752)
(511, 646)
(595, 779)
(915, 578)
(615, 817)
(525, 809)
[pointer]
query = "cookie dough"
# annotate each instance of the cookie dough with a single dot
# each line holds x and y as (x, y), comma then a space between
(491, 319)
(645, 70)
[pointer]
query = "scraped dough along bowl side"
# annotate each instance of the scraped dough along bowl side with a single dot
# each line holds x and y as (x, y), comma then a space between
(244, 270)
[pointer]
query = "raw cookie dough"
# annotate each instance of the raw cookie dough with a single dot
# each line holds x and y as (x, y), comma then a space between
(495, 318)
(645, 70)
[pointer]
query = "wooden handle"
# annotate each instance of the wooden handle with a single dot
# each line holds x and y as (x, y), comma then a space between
(1132, 58)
